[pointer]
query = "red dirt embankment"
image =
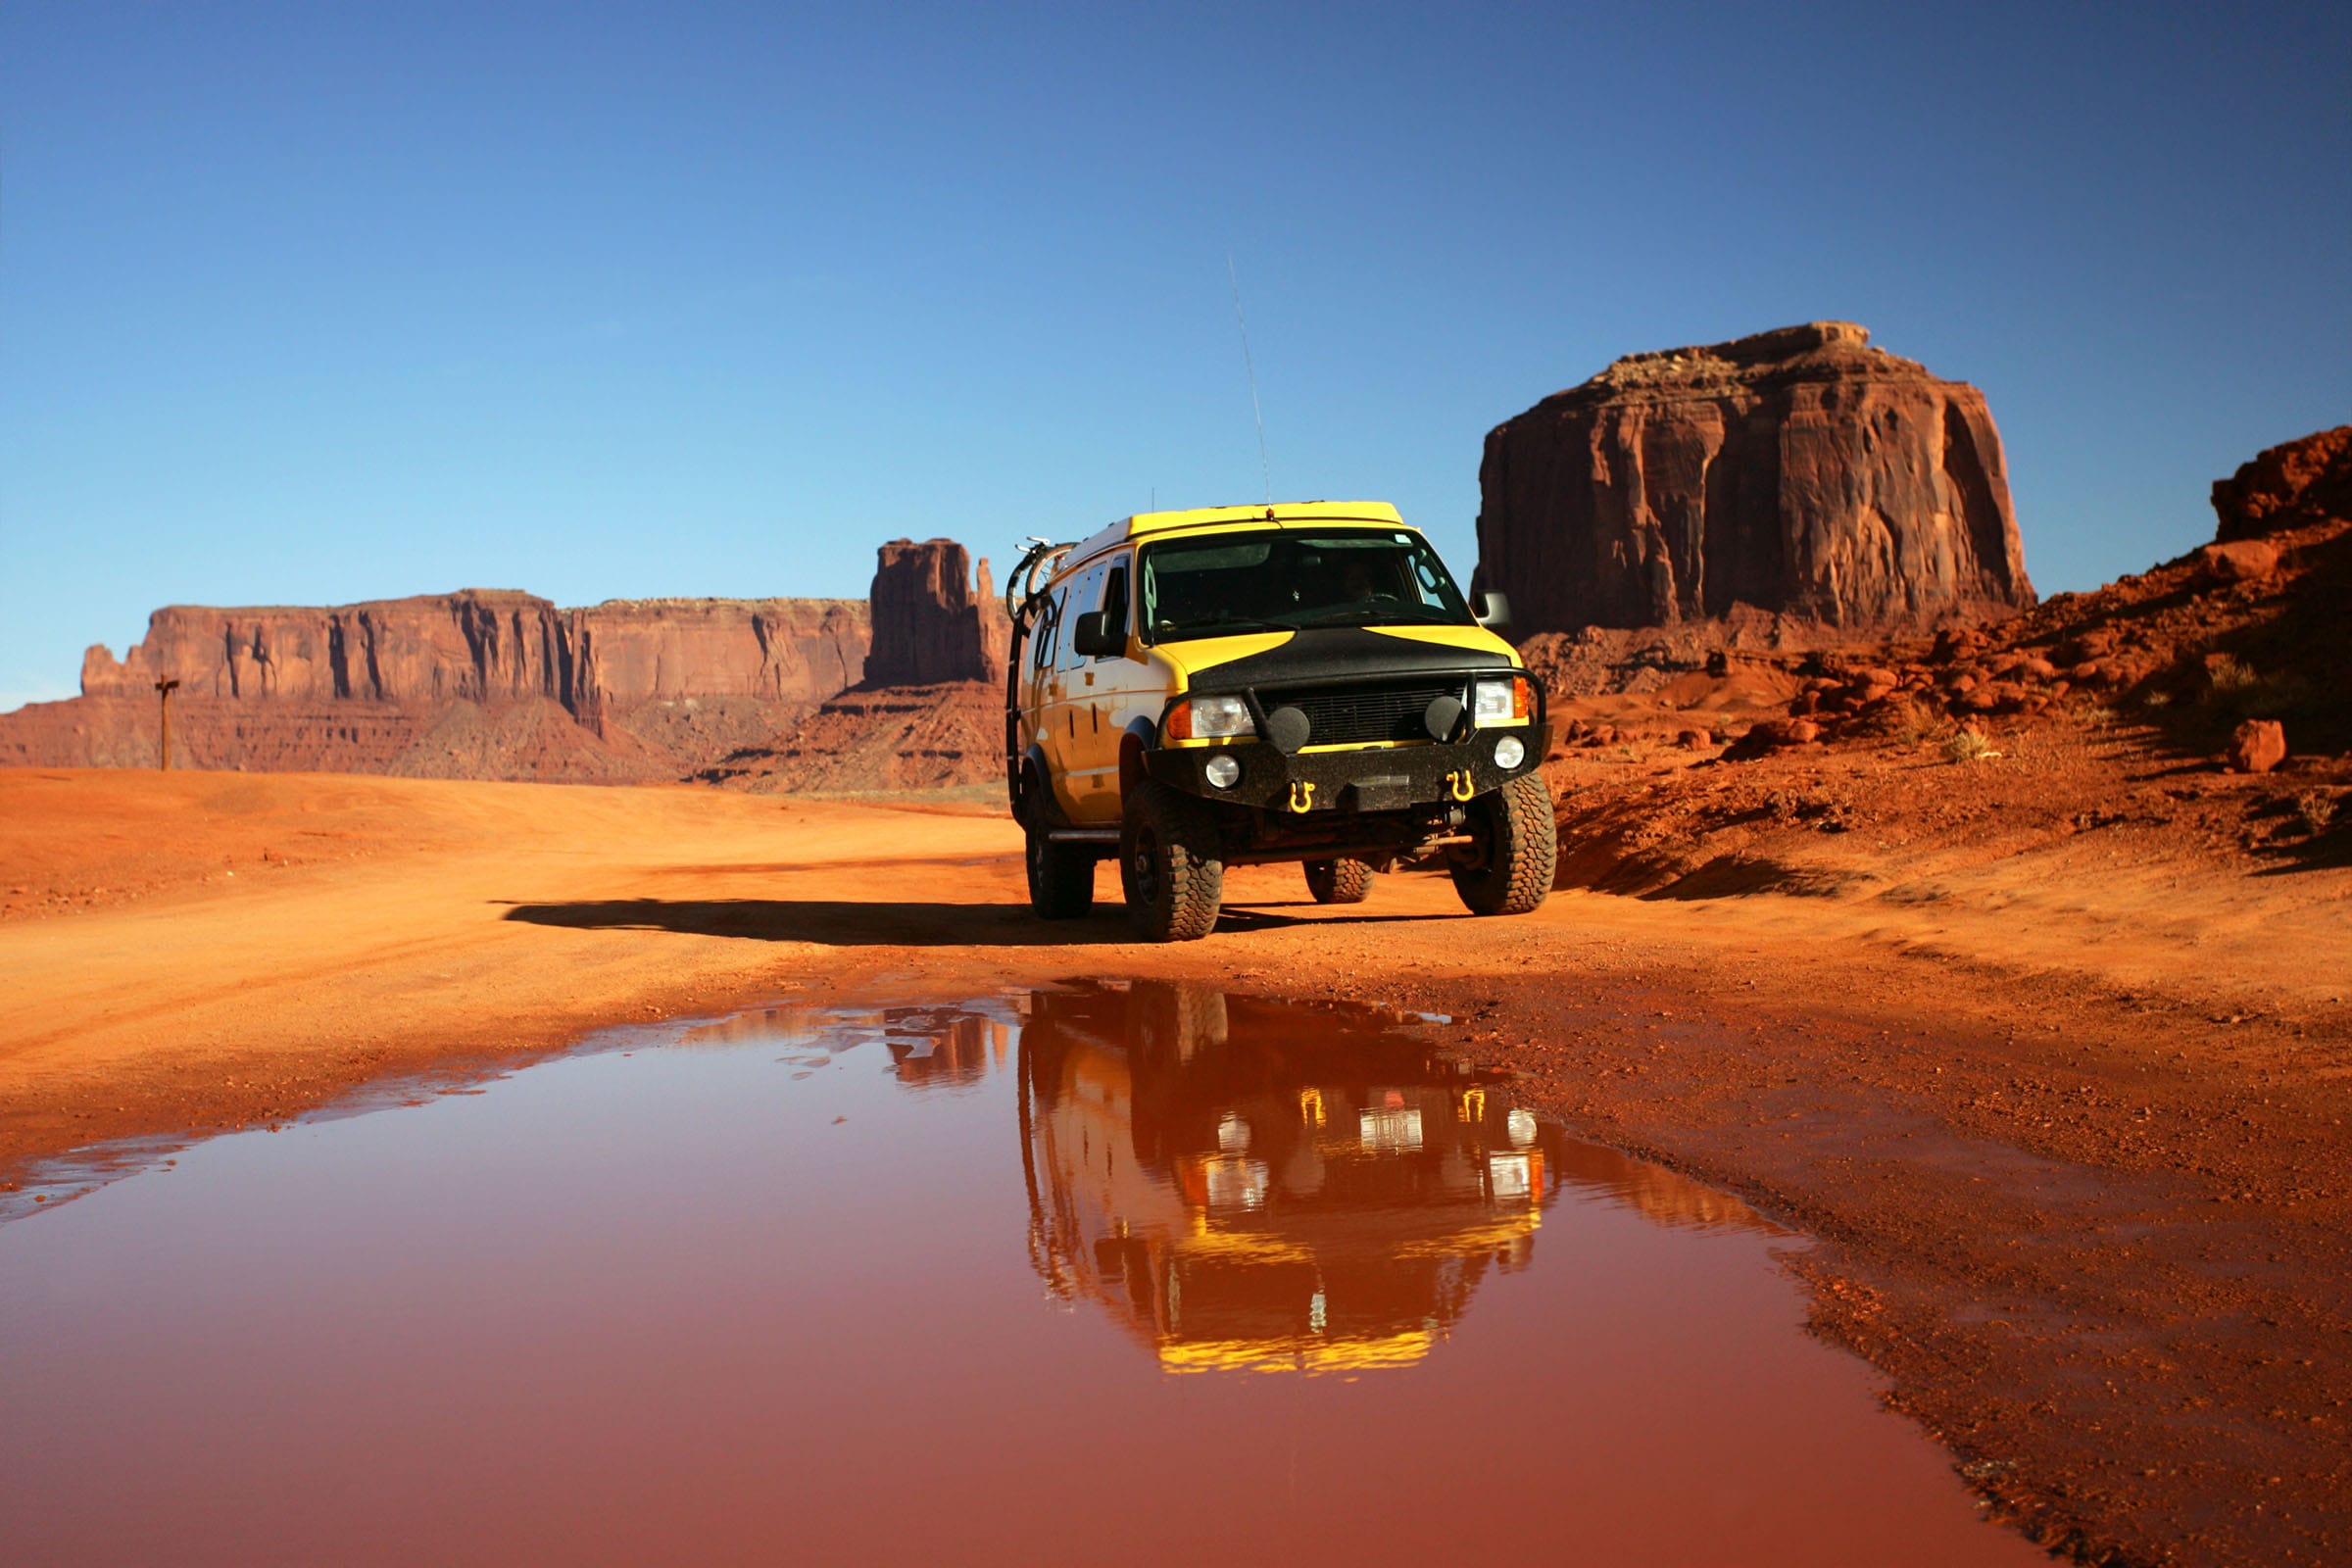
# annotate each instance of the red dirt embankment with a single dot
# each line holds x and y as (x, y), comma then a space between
(2075, 1154)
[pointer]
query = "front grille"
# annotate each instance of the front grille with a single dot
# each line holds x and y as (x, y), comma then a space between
(1351, 716)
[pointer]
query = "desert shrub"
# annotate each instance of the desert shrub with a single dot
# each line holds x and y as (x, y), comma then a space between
(2227, 675)
(2316, 809)
(1968, 745)
(2237, 692)
(1907, 720)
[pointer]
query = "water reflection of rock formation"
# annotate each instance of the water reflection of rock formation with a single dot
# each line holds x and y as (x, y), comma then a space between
(949, 1053)
(1244, 1185)
(929, 1047)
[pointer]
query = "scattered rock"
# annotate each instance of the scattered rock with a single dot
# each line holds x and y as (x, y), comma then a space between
(1954, 644)
(2239, 561)
(2258, 746)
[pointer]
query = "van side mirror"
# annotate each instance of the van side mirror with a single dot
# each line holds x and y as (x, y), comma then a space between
(1493, 612)
(1095, 635)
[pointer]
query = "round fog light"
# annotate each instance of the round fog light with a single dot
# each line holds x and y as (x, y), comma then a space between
(1221, 772)
(1509, 752)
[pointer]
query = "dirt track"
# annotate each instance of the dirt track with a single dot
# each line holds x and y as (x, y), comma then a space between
(2084, 1202)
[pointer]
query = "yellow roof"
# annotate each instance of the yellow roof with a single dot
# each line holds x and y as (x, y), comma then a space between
(1145, 523)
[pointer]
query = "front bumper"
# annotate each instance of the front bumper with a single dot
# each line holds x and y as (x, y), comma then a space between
(1371, 779)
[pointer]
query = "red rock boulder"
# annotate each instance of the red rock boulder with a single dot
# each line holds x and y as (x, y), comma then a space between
(2259, 746)
(2239, 561)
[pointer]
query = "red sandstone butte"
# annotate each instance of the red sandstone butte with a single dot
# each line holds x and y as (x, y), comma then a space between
(481, 645)
(930, 711)
(1799, 472)
(931, 625)
(476, 684)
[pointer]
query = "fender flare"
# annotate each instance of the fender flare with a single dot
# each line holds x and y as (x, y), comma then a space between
(1034, 787)
(1141, 736)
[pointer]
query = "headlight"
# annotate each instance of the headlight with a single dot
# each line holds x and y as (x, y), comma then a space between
(1500, 701)
(1222, 770)
(1208, 718)
(1509, 752)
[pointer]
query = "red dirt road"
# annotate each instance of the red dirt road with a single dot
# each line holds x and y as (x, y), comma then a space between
(2084, 1201)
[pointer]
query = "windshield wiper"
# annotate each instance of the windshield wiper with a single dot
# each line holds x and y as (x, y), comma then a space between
(1381, 615)
(1219, 622)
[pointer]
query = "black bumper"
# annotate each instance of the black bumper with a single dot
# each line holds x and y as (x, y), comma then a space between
(1393, 779)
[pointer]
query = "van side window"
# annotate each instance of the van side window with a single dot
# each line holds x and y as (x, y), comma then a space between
(1048, 629)
(1083, 595)
(1115, 604)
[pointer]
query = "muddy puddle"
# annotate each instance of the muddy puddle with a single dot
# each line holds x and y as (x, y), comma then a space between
(1122, 1275)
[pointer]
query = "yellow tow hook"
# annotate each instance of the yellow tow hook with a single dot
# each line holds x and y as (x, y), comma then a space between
(1302, 796)
(1458, 785)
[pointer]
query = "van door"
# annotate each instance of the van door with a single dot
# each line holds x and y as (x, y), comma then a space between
(1108, 686)
(1039, 680)
(1067, 719)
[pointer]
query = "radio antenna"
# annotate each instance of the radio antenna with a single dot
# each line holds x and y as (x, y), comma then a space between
(1264, 469)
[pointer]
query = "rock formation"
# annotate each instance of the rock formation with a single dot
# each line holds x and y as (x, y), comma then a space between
(2235, 649)
(475, 684)
(881, 738)
(930, 713)
(485, 645)
(759, 693)
(1797, 472)
(2286, 486)
(930, 624)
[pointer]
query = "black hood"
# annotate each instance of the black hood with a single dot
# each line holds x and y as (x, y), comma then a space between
(1327, 655)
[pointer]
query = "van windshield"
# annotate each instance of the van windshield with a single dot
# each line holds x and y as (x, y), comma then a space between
(1293, 581)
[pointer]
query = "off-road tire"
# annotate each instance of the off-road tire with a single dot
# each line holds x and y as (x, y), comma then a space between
(1171, 865)
(1061, 878)
(1520, 843)
(1337, 881)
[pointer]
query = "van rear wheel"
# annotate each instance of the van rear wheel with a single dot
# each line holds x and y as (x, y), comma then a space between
(1061, 878)
(1171, 865)
(1518, 847)
(1338, 881)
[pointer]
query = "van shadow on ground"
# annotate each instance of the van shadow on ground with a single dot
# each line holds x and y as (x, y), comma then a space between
(842, 924)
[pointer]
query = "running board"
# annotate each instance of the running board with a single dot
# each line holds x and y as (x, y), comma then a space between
(1083, 834)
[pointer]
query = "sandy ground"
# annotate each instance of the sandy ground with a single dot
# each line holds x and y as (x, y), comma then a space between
(2070, 1123)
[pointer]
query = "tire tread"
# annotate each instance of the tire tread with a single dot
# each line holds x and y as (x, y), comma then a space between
(1528, 837)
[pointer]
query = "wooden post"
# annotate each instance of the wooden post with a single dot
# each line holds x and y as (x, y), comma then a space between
(165, 689)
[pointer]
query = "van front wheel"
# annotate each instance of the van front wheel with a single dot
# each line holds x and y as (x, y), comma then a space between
(1170, 865)
(1518, 848)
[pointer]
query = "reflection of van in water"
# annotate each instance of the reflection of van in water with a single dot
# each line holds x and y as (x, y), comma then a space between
(1242, 1194)
(1246, 685)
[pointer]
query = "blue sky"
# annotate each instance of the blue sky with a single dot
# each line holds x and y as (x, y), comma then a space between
(307, 303)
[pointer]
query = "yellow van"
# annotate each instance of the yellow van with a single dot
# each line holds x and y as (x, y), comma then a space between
(1245, 685)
